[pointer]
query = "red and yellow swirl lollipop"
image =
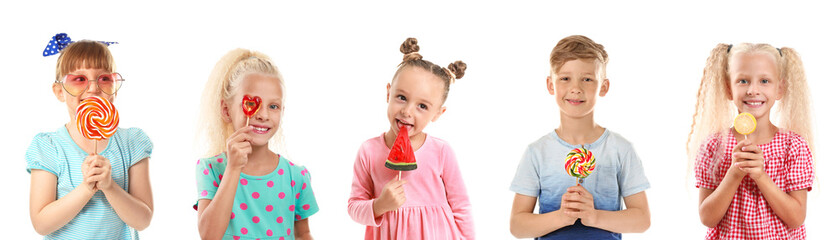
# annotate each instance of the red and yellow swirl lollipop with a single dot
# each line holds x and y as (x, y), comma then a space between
(96, 119)
(579, 163)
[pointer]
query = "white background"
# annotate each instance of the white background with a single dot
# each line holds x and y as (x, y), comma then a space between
(337, 58)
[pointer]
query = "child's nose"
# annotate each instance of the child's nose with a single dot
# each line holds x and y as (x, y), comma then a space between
(91, 86)
(406, 111)
(753, 89)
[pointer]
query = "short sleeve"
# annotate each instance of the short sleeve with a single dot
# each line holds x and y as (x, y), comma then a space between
(42, 154)
(631, 177)
(526, 180)
(800, 166)
(140, 145)
(704, 167)
(305, 203)
(206, 177)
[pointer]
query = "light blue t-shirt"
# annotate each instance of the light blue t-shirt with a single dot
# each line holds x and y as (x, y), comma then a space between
(618, 173)
(55, 152)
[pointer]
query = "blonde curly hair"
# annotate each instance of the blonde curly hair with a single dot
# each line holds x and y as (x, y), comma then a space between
(715, 113)
(223, 84)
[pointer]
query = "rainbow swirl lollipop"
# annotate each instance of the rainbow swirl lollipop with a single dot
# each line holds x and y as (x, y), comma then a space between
(579, 163)
(96, 118)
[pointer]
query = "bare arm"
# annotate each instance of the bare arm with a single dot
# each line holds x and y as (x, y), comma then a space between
(301, 230)
(526, 224)
(214, 215)
(49, 214)
(136, 206)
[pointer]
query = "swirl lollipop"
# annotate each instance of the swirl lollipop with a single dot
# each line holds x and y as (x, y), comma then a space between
(579, 163)
(96, 119)
(745, 124)
(250, 105)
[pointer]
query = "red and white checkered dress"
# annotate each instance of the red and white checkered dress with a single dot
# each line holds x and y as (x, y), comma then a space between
(787, 161)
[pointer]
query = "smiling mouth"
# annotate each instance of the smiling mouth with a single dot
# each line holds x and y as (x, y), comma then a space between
(754, 104)
(260, 129)
(574, 101)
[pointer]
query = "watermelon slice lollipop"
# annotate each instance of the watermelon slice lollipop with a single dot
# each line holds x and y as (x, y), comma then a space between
(401, 157)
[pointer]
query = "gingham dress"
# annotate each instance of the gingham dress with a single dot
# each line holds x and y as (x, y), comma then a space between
(787, 161)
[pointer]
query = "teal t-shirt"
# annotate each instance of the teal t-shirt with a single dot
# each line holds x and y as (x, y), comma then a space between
(56, 153)
(265, 207)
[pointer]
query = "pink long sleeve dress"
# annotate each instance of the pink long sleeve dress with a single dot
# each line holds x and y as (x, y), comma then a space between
(437, 206)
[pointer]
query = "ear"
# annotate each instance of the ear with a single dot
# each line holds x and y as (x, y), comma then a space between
(436, 116)
(388, 93)
(604, 87)
(225, 112)
(550, 84)
(58, 91)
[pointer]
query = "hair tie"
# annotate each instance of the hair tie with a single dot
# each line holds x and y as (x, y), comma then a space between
(61, 41)
(779, 52)
(452, 75)
(729, 48)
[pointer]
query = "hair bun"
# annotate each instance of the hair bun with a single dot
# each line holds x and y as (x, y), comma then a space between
(458, 68)
(411, 50)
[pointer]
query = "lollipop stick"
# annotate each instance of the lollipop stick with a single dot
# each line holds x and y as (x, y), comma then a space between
(247, 122)
(95, 143)
(399, 177)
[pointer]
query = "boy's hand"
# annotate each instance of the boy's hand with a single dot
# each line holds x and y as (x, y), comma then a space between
(580, 204)
(750, 159)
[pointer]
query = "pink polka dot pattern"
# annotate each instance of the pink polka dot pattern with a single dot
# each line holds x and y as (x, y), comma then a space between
(255, 219)
(243, 181)
(210, 165)
(280, 172)
(198, 162)
(297, 217)
(269, 233)
(291, 208)
(303, 187)
(288, 231)
(281, 195)
(219, 176)
(270, 183)
(215, 184)
(244, 231)
(204, 193)
(293, 183)
(206, 171)
(219, 160)
(255, 195)
(297, 196)
(279, 219)
(270, 208)
(235, 237)
(243, 206)
(232, 215)
(305, 206)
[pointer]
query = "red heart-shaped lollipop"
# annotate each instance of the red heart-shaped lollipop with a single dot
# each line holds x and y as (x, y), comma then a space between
(251, 104)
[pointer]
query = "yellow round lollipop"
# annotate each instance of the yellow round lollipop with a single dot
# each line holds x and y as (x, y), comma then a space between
(745, 123)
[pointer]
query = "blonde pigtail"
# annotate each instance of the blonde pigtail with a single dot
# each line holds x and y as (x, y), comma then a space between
(794, 107)
(714, 112)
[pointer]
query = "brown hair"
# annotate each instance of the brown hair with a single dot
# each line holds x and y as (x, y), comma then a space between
(578, 47)
(412, 58)
(84, 54)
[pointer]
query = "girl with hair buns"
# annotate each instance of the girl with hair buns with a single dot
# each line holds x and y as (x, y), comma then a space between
(429, 202)
(245, 189)
(753, 187)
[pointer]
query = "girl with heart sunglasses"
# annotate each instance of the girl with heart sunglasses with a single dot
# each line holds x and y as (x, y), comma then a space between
(245, 189)
(77, 192)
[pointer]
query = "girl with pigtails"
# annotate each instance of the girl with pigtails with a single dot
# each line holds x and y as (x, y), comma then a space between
(429, 202)
(753, 186)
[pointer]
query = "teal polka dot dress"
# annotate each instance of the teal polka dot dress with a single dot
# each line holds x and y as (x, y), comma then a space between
(265, 207)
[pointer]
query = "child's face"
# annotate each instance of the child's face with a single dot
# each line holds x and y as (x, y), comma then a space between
(267, 119)
(414, 100)
(755, 85)
(71, 101)
(576, 87)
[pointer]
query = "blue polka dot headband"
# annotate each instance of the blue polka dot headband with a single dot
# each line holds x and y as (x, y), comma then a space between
(61, 41)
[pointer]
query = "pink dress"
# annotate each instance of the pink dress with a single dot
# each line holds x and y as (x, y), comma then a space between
(437, 206)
